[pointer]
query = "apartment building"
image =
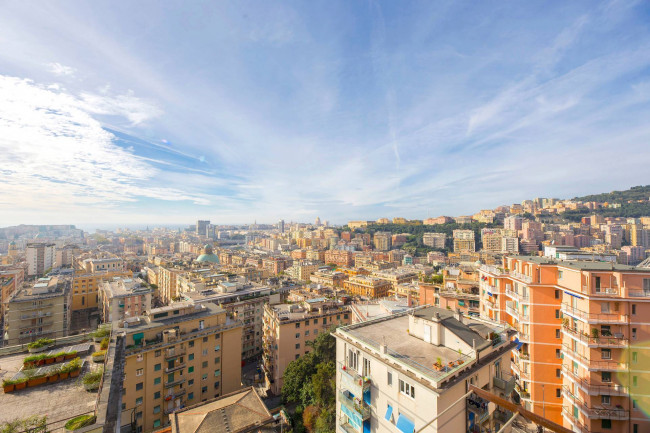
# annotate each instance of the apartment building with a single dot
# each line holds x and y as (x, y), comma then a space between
(339, 257)
(434, 240)
(168, 283)
(41, 310)
(103, 264)
(40, 257)
(302, 271)
(288, 328)
(329, 278)
(363, 285)
(452, 299)
(396, 276)
(121, 298)
(10, 281)
(383, 241)
(398, 373)
(85, 287)
(578, 323)
(464, 241)
(176, 356)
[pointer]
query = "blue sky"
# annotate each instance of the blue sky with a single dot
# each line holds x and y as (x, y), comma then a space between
(162, 113)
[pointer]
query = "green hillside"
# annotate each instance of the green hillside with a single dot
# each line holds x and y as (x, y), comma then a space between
(634, 193)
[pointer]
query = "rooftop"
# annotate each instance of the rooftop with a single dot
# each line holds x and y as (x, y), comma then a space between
(158, 317)
(581, 265)
(232, 413)
(121, 287)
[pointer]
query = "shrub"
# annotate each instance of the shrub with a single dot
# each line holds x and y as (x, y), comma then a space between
(80, 421)
(104, 343)
(73, 365)
(99, 353)
(102, 332)
(93, 377)
(40, 343)
(33, 424)
(35, 358)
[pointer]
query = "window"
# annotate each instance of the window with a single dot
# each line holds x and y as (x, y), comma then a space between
(157, 353)
(606, 423)
(606, 353)
(366, 367)
(606, 376)
(297, 334)
(633, 308)
(389, 379)
(635, 382)
(353, 359)
(605, 399)
(634, 333)
(635, 357)
(156, 395)
(191, 344)
(217, 373)
(190, 357)
(204, 377)
(138, 401)
(217, 336)
(558, 293)
(557, 314)
(559, 276)
(205, 339)
(190, 382)
(156, 423)
(217, 347)
(156, 381)
(297, 356)
(190, 369)
(139, 372)
(558, 392)
(406, 389)
(205, 352)
(156, 409)
(204, 364)
(558, 353)
(558, 372)
(139, 386)
(558, 334)
(216, 385)
(139, 357)
(306, 322)
(204, 389)
(156, 367)
(297, 345)
(217, 360)
(297, 325)
(190, 396)
(306, 333)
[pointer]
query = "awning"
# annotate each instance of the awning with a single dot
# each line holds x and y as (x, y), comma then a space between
(389, 412)
(404, 424)
(571, 294)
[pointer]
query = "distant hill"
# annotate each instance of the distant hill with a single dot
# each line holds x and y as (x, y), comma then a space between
(634, 193)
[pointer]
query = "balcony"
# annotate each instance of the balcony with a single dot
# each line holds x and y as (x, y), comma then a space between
(176, 394)
(505, 383)
(638, 293)
(601, 412)
(615, 318)
(492, 270)
(601, 291)
(518, 275)
(488, 304)
(523, 337)
(602, 341)
(174, 353)
(170, 384)
(353, 381)
(480, 407)
(346, 427)
(353, 404)
(36, 325)
(175, 368)
(593, 364)
(35, 315)
(523, 393)
(516, 296)
(590, 388)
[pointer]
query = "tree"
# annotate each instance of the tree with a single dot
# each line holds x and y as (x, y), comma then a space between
(298, 373)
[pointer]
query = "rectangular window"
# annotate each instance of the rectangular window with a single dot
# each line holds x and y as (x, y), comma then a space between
(156, 367)
(605, 399)
(204, 389)
(204, 377)
(156, 409)
(139, 372)
(558, 353)
(205, 339)
(558, 392)
(297, 325)
(606, 376)
(139, 357)
(138, 401)
(156, 423)
(389, 379)
(190, 369)
(217, 347)
(366, 367)
(306, 333)
(557, 314)
(558, 372)
(204, 364)
(156, 381)
(217, 360)
(634, 333)
(190, 357)
(406, 389)
(190, 396)
(191, 344)
(558, 334)
(156, 395)
(606, 423)
(558, 293)
(606, 353)
(157, 353)
(634, 357)
(635, 381)
(297, 334)
(633, 308)
(205, 352)
(139, 386)
(217, 373)
(297, 345)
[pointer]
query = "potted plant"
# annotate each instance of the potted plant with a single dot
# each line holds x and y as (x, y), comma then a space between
(59, 357)
(34, 379)
(99, 356)
(100, 334)
(34, 360)
(8, 386)
(91, 380)
(40, 345)
(53, 375)
(21, 383)
(70, 355)
(73, 367)
(594, 332)
(104, 344)
(79, 422)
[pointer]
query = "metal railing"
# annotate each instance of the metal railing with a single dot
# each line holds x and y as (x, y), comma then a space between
(595, 412)
(592, 388)
(359, 407)
(594, 317)
(174, 353)
(603, 341)
(638, 293)
(594, 364)
(522, 277)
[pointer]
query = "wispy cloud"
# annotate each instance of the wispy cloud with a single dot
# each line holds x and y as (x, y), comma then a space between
(61, 70)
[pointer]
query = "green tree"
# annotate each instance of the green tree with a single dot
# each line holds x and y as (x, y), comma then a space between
(298, 373)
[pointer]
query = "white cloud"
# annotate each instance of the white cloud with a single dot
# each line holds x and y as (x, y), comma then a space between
(56, 158)
(137, 110)
(62, 70)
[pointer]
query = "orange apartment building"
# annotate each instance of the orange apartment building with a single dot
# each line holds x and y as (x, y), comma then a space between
(581, 334)
(456, 300)
(371, 287)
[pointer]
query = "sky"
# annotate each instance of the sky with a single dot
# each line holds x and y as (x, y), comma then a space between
(120, 112)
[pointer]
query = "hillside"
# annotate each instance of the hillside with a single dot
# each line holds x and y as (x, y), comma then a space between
(634, 193)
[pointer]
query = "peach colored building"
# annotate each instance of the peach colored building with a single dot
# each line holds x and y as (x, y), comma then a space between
(367, 286)
(581, 334)
(289, 327)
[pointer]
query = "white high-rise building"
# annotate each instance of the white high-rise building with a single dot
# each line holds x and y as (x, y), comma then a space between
(40, 257)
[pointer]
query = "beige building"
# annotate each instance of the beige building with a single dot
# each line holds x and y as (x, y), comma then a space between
(85, 288)
(434, 240)
(329, 278)
(168, 283)
(396, 276)
(288, 328)
(121, 298)
(105, 264)
(177, 356)
(464, 241)
(371, 287)
(38, 311)
(399, 373)
(40, 257)
(302, 271)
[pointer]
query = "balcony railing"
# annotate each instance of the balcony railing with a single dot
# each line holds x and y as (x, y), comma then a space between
(174, 353)
(594, 364)
(606, 291)
(492, 270)
(594, 317)
(346, 427)
(174, 368)
(522, 277)
(592, 388)
(479, 406)
(488, 304)
(36, 315)
(358, 406)
(172, 383)
(518, 296)
(603, 341)
(595, 412)
(353, 381)
(638, 293)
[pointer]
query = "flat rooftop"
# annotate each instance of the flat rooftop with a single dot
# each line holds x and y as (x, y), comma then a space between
(58, 401)
(210, 295)
(582, 265)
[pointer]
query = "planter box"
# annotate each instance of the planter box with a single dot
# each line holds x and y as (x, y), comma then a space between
(21, 385)
(41, 349)
(70, 356)
(60, 358)
(49, 361)
(75, 373)
(36, 381)
(53, 378)
(64, 375)
(99, 358)
(9, 388)
(98, 339)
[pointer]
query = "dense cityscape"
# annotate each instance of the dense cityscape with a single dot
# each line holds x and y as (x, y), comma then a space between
(314, 327)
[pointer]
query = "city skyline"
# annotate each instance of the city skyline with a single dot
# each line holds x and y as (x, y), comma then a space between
(149, 115)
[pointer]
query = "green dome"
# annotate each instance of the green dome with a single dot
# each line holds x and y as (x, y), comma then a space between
(211, 258)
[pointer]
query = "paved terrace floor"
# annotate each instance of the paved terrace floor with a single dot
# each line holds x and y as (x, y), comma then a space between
(58, 401)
